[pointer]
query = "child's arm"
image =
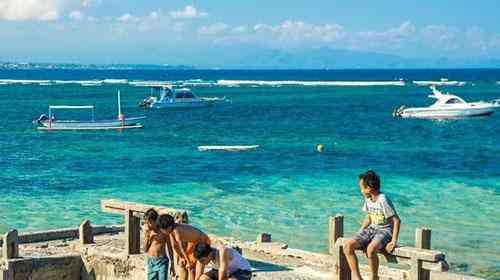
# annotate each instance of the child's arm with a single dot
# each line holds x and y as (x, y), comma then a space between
(170, 255)
(180, 249)
(224, 261)
(199, 270)
(366, 222)
(396, 223)
(147, 240)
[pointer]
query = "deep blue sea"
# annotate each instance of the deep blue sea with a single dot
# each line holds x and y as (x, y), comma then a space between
(444, 175)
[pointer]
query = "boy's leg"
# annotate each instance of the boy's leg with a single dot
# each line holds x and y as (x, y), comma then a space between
(152, 273)
(371, 254)
(350, 247)
(163, 270)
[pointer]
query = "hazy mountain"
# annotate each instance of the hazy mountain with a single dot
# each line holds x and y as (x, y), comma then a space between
(325, 58)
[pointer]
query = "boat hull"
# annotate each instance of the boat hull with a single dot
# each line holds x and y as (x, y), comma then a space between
(92, 125)
(193, 104)
(446, 113)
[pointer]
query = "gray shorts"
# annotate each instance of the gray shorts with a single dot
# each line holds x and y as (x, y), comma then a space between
(367, 235)
(238, 274)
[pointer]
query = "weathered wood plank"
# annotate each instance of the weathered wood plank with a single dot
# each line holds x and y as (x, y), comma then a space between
(10, 249)
(409, 253)
(67, 233)
(118, 207)
(423, 241)
(336, 231)
(85, 233)
(133, 233)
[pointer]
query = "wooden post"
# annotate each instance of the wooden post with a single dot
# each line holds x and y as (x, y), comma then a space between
(132, 230)
(336, 227)
(336, 231)
(86, 233)
(10, 247)
(264, 238)
(422, 241)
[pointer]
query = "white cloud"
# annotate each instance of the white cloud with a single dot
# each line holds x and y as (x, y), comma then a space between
(406, 29)
(214, 29)
(188, 13)
(240, 29)
(440, 37)
(128, 18)
(30, 9)
(154, 15)
(300, 31)
(90, 3)
(76, 15)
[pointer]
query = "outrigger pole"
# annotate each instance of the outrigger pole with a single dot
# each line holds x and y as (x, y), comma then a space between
(121, 117)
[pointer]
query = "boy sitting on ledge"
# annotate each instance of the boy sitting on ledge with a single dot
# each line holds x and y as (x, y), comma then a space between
(379, 230)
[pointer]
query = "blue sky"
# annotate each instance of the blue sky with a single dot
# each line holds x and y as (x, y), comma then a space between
(153, 31)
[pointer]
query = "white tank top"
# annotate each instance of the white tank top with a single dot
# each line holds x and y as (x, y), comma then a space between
(237, 261)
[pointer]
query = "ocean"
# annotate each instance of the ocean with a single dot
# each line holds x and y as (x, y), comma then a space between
(443, 175)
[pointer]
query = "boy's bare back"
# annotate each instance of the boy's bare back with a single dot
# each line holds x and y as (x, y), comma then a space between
(187, 233)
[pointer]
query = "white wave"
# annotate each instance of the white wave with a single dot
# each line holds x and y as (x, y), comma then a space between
(442, 82)
(90, 83)
(148, 83)
(309, 83)
(196, 83)
(81, 82)
(115, 81)
(24, 82)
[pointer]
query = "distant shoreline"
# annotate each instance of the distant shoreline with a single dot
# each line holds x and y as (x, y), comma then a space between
(8, 65)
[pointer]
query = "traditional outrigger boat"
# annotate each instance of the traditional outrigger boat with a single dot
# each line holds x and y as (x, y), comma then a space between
(51, 123)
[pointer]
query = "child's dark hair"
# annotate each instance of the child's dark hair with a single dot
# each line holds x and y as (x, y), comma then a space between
(370, 179)
(202, 250)
(151, 215)
(165, 221)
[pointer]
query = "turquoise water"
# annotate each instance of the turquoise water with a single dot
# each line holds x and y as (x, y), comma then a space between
(440, 174)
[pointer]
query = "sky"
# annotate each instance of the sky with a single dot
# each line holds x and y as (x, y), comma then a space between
(177, 32)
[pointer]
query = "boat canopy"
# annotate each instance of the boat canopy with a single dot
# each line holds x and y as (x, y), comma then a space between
(70, 107)
(184, 93)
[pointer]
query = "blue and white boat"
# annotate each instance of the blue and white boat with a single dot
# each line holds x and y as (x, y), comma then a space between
(177, 98)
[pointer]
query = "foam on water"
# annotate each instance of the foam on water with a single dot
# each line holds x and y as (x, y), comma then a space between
(440, 83)
(310, 83)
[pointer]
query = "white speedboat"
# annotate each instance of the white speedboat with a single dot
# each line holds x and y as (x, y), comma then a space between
(447, 106)
(177, 98)
(51, 123)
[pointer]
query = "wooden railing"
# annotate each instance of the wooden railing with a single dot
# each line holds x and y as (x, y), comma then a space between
(133, 212)
(420, 259)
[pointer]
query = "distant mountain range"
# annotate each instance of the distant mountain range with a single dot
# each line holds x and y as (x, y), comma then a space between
(327, 58)
(251, 57)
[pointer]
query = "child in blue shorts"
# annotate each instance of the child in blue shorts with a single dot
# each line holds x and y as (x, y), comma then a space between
(380, 228)
(154, 245)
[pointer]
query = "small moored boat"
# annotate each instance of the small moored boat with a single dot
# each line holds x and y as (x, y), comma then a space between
(51, 123)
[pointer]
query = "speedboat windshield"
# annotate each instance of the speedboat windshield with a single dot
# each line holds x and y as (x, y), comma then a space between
(184, 93)
(454, 101)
